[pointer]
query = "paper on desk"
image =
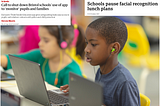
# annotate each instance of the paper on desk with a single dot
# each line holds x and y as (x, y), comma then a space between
(9, 83)
(10, 71)
(50, 87)
(5, 84)
(1, 68)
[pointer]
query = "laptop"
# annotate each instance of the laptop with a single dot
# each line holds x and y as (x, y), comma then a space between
(6, 76)
(9, 99)
(31, 83)
(83, 92)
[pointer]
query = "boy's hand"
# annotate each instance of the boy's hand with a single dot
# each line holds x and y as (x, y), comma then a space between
(64, 88)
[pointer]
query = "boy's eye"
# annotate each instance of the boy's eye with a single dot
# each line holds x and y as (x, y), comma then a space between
(93, 44)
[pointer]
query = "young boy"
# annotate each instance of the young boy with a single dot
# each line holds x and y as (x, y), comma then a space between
(105, 38)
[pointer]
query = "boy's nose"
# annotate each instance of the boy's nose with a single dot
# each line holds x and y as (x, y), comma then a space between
(86, 50)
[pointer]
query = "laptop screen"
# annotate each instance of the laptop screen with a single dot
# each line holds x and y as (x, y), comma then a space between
(83, 92)
(8, 99)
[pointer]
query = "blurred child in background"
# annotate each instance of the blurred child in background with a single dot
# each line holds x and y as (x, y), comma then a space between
(29, 39)
(55, 63)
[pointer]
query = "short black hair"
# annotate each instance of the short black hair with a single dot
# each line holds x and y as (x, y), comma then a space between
(112, 28)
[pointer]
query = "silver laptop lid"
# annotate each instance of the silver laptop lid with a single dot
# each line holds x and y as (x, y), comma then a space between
(29, 80)
(83, 92)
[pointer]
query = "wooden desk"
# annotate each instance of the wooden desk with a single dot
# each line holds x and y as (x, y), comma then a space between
(11, 86)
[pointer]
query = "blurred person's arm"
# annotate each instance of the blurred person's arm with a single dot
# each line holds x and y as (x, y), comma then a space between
(4, 61)
(33, 55)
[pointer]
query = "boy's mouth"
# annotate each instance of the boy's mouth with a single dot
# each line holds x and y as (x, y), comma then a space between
(88, 59)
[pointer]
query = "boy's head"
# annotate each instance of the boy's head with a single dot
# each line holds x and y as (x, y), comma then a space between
(102, 36)
(112, 28)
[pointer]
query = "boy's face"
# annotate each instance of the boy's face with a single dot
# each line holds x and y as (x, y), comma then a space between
(97, 50)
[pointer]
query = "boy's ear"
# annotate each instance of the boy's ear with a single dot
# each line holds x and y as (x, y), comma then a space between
(115, 48)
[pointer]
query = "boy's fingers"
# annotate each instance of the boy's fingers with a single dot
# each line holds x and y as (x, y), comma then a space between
(67, 90)
(64, 87)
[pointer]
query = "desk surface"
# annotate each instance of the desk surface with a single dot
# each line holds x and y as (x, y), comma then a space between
(11, 87)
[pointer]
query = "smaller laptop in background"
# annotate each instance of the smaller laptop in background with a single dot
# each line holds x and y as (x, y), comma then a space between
(83, 92)
(9, 99)
(6, 76)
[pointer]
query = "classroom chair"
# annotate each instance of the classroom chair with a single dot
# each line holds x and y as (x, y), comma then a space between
(145, 101)
(137, 51)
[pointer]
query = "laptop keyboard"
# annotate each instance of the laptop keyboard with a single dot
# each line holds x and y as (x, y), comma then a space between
(57, 98)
